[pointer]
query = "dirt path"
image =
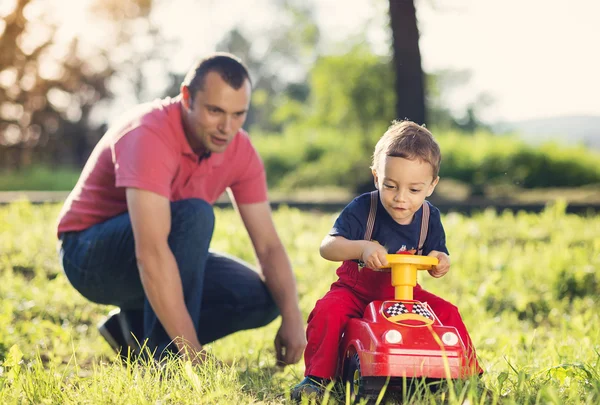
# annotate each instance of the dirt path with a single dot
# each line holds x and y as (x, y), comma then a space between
(466, 206)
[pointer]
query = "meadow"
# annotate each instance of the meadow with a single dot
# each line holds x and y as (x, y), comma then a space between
(527, 286)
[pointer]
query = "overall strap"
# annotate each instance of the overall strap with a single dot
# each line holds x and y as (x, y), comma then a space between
(372, 214)
(424, 227)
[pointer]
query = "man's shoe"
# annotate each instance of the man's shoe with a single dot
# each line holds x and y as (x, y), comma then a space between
(127, 328)
(115, 330)
(310, 387)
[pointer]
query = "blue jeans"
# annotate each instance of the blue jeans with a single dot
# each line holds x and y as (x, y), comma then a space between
(222, 294)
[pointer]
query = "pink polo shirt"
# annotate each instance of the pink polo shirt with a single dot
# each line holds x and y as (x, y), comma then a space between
(148, 150)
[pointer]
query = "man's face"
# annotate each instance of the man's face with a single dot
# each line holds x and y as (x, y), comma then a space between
(216, 114)
(403, 186)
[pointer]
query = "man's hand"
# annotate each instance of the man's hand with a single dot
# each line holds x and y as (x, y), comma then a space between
(373, 256)
(290, 342)
(202, 358)
(443, 266)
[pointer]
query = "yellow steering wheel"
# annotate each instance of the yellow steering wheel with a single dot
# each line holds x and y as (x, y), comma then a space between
(404, 279)
(404, 272)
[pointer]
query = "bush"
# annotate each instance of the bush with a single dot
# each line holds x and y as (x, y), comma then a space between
(39, 178)
(304, 156)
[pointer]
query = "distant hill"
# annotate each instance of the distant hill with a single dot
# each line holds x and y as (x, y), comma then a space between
(567, 129)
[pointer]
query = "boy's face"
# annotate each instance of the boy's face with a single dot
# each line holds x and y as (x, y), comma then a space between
(403, 186)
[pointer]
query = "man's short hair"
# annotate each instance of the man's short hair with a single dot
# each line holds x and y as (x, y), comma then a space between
(231, 69)
(408, 140)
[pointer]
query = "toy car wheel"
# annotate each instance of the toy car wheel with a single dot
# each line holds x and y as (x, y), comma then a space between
(361, 387)
(354, 377)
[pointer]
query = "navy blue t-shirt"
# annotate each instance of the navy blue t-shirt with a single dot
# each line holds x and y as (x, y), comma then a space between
(352, 223)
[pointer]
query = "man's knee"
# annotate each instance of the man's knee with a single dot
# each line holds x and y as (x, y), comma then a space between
(270, 312)
(192, 215)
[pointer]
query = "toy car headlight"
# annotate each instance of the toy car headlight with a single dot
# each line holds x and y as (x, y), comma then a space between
(393, 336)
(450, 338)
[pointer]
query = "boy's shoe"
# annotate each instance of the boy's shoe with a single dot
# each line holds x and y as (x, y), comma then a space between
(310, 387)
(116, 331)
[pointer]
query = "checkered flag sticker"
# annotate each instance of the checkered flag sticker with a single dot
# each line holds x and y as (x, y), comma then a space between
(422, 310)
(396, 309)
(399, 308)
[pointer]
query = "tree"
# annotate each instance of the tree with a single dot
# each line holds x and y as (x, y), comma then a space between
(351, 91)
(409, 84)
(279, 62)
(49, 85)
(39, 95)
(443, 111)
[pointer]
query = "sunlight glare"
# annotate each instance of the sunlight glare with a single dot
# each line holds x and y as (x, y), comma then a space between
(7, 7)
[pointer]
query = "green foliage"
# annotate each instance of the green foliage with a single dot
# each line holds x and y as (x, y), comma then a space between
(484, 158)
(352, 91)
(355, 90)
(304, 156)
(39, 178)
(441, 111)
(289, 45)
(526, 285)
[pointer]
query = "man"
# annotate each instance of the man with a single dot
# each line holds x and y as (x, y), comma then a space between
(136, 229)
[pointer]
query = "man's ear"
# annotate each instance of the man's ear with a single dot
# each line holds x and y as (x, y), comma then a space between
(432, 185)
(185, 96)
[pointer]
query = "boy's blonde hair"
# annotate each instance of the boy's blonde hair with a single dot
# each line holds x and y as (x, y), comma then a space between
(408, 140)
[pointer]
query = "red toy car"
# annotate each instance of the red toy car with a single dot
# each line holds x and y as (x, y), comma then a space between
(400, 339)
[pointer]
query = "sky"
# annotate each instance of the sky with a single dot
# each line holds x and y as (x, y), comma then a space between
(535, 58)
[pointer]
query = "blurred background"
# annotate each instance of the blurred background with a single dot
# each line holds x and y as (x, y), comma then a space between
(510, 89)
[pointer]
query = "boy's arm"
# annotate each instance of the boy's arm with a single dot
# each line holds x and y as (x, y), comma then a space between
(338, 248)
(437, 245)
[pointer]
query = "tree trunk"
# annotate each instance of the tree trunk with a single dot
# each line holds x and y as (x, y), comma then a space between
(410, 91)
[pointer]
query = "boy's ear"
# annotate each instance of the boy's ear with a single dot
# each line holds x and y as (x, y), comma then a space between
(375, 179)
(432, 186)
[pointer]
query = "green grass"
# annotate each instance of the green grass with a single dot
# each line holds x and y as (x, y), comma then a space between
(527, 286)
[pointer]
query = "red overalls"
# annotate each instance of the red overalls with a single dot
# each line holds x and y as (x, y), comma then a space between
(348, 298)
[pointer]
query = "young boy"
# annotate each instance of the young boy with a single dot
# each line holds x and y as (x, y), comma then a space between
(405, 168)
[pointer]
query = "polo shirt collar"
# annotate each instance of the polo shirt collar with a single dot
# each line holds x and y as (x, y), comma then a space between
(215, 159)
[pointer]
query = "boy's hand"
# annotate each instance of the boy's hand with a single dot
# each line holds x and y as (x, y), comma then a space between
(373, 256)
(443, 266)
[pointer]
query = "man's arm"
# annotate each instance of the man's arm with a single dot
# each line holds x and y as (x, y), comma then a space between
(279, 278)
(151, 222)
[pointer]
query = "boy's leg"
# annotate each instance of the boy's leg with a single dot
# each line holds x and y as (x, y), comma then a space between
(326, 323)
(235, 298)
(100, 263)
(449, 315)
